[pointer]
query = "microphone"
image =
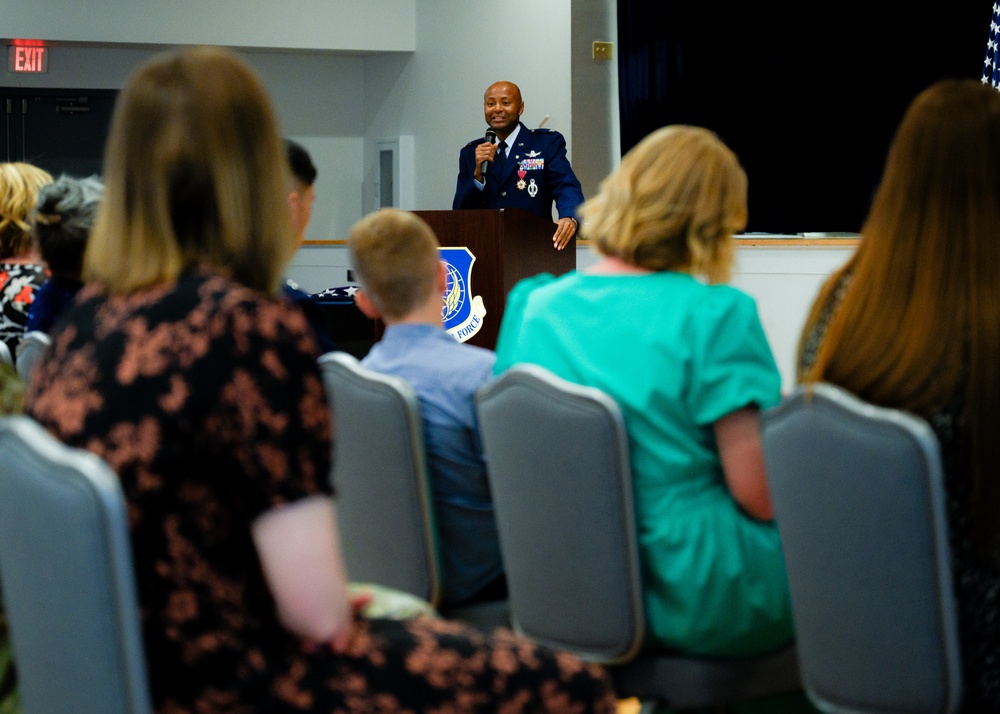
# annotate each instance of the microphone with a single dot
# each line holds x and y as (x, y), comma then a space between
(490, 137)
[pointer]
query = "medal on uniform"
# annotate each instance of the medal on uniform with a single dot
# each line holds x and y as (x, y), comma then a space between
(520, 175)
(532, 188)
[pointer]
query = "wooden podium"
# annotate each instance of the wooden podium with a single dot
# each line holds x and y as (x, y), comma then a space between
(508, 244)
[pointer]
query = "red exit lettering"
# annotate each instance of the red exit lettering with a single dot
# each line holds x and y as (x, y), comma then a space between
(27, 59)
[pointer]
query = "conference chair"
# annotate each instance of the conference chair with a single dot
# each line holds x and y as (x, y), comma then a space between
(560, 473)
(67, 580)
(858, 496)
(33, 343)
(5, 356)
(384, 500)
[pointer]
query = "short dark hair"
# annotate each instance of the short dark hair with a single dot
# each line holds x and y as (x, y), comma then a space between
(300, 162)
(63, 218)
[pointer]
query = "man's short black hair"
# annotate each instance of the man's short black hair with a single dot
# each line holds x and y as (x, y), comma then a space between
(302, 165)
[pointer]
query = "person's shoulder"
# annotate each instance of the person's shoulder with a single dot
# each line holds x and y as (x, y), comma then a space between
(721, 301)
(543, 134)
(473, 143)
(475, 353)
(541, 131)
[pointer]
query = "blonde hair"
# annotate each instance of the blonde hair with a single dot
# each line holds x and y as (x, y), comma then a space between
(395, 257)
(19, 184)
(920, 320)
(195, 174)
(674, 203)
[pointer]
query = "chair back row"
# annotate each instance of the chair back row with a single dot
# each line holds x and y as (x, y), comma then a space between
(67, 578)
(857, 491)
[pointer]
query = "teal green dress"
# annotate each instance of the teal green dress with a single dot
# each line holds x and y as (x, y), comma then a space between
(677, 355)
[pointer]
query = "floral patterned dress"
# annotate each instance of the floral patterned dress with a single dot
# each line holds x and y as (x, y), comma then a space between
(18, 284)
(206, 398)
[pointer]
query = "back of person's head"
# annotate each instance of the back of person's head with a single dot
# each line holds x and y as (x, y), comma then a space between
(19, 185)
(674, 203)
(937, 191)
(193, 176)
(395, 258)
(299, 161)
(63, 218)
(920, 320)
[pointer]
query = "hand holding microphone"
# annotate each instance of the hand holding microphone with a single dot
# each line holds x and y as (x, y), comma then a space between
(485, 152)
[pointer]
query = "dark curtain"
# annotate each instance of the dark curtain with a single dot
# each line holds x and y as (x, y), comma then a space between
(807, 94)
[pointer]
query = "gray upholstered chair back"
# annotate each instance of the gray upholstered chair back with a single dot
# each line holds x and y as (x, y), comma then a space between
(558, 462)
(5, 356)
(383, 496)
(858, 496)
(67, 578)
(31, 346)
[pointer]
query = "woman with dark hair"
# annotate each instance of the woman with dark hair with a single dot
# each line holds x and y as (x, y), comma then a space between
(183, 366)
(62, 220)
(912, 322)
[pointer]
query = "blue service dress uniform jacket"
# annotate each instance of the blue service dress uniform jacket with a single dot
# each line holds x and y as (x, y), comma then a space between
(535, 173)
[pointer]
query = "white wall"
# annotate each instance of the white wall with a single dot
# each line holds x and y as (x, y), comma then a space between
(344, 25)
(784, 282)
(596, 129)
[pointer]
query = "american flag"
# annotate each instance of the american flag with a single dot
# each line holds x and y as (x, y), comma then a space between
(338, 294)
(991, 67)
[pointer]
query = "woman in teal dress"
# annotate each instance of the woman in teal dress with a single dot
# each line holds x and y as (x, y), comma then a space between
(686, 358)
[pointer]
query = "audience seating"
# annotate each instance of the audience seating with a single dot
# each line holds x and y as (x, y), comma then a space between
(5, 356)
(560, 474)
(859, 501)
(384, 501)
(33, 343)
(66, 574)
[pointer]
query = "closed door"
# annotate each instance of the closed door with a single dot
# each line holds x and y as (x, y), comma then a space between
(59, 130)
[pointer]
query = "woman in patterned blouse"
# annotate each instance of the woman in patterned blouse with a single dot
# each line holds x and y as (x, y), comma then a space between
(22, 272)
(183, 366)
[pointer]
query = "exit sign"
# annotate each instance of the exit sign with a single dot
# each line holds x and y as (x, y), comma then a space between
(27, 59)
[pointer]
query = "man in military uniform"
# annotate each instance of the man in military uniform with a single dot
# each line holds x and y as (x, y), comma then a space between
(525, 168)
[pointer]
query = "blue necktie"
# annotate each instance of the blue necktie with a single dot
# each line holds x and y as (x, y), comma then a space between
(498, 159)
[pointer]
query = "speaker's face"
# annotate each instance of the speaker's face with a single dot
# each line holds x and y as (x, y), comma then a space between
(503, 107)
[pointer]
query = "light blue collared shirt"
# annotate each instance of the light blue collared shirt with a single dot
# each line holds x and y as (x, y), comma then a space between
(445, 374)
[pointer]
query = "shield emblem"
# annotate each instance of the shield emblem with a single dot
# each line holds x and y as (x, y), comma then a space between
(461, 312)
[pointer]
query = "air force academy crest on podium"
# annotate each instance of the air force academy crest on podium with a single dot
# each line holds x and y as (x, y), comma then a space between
(461, 312)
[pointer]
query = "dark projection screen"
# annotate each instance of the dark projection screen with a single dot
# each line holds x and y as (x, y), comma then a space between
(807, 94)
